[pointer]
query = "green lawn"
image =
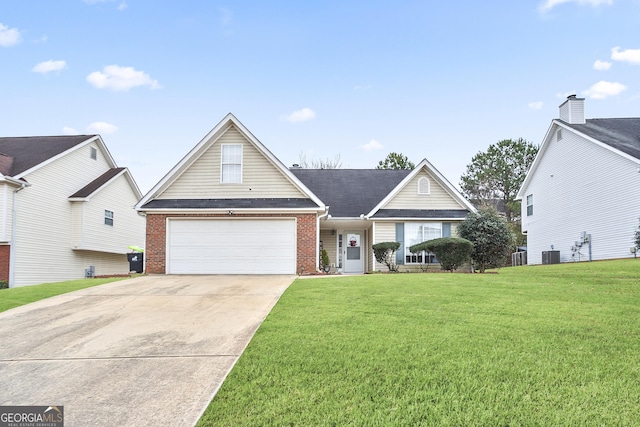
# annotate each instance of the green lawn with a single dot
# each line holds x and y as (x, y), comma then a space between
(554, 345)
(14, 297)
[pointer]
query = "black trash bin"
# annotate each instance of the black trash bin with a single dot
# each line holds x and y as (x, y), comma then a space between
(136, 261)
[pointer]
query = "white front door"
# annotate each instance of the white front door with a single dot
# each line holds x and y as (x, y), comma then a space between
(353, 259)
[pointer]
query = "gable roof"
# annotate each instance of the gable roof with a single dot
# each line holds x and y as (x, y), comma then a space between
(350, 193)
(446, 185)
(211, 138)
(623, 134)
(19, 154)
(620, 135)
(98, 183)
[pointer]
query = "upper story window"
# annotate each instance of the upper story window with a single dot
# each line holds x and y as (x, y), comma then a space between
(424, 186)
(108, 217)
(231, 167)
(559, 135)
(93, 153)
(530, 205)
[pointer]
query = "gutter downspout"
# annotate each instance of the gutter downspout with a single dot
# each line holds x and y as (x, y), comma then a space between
(14, 220)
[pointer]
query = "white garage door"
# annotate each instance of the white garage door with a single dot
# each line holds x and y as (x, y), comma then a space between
(231, 246)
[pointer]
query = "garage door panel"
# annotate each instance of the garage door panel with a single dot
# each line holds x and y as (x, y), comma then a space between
(232, 246)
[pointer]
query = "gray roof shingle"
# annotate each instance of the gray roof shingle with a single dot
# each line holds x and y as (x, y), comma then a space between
(229, 204)
(23, 153)
(622, 134)
(88, 189)
(350, 192)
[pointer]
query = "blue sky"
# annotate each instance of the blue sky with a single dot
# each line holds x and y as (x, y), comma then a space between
(359, 79)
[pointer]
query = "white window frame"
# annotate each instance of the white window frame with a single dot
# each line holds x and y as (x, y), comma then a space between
(236, 177)
(530, 205)
(421, 184)
(93, 153)
(108, 218)
(419, 258)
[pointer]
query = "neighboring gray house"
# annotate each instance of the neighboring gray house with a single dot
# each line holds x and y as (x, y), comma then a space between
(230, 206)
(66, 210)
(581, 197)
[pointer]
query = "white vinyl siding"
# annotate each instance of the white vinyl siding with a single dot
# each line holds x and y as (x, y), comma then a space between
(410, 198)
(231, 246)
(91, 232)
(260, 178)
(580, 186)
(45, 224)
(6, 212)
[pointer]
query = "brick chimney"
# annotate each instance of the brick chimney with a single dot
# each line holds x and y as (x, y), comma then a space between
(572, 110)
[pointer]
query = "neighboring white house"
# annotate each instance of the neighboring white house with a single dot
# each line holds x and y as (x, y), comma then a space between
(581, 197)
(66, 210)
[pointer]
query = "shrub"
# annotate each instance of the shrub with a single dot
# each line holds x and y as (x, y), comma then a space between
(4, 284)
(451, 252)
(324, 260)
(385, 253)
(491, 237)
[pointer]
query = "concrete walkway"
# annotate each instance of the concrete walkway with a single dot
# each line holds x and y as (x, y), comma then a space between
(146, 351)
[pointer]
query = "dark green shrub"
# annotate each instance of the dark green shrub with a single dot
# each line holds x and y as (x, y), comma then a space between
(451, 252)
(385, 253)
(4, 284)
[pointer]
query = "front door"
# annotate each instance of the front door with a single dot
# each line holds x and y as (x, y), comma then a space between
(353, 259)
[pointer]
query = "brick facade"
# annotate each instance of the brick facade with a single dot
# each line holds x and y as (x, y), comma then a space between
(5, 255)
(156, 244)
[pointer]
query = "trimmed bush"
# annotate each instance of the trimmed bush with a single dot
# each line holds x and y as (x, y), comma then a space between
(451, 252)
(385, 253)
(492, 239)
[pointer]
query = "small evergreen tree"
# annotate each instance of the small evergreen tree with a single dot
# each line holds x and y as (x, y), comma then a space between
(385, 253)
(492, 239)
(636, 239)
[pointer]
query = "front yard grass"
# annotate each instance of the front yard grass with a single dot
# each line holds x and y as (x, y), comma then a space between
(15, 297)
(536, 345)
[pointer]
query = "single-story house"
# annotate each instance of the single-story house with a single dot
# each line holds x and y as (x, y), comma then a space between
(581, 196)
(231, 207)
(66, 210)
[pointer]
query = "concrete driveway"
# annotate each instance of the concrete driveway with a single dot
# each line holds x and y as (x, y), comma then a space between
(152, 350)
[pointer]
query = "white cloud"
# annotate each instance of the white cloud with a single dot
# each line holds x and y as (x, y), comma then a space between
(227, 15)
(101, 128)
(535, 105)
(628, 55)
(122, 6)
(119, 78)
(362, 87)
(547, 5)
(300, 116)
(601, 65)
(9, 36)
(372, 146)
(602, 90)
(69, 131)
(49, 66)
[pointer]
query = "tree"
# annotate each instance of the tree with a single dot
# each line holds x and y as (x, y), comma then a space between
(495, 176)
(328, 163)
(492, 239)
(395, 161)
(385, 253)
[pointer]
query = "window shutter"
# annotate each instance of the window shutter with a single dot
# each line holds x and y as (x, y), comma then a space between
(446, 229)
(400, 238)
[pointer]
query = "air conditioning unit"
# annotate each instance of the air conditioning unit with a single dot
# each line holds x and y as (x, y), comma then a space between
(550, 257)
